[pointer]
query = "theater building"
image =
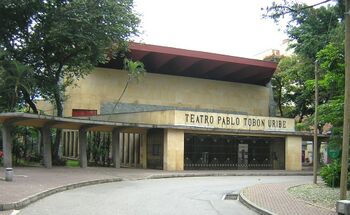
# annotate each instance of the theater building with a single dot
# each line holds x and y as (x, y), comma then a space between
(192, 110)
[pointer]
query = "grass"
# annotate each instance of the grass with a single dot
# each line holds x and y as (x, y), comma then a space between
(72, 163)
(317, 194)
(23, 162)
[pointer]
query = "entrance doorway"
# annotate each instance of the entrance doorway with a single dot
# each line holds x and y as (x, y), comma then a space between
(233, 152)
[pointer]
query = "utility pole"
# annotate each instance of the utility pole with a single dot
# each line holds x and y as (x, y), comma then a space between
(315, 148)
(345, 146)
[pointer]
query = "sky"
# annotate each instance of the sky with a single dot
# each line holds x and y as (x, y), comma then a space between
(228, 27)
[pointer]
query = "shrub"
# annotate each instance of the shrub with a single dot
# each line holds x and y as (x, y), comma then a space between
(331, 173)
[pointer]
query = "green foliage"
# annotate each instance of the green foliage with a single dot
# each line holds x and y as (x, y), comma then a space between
(290, 92)
(330, 174)
(316, 33)
(72, 163)
(136, 69)
(63, 40)
(310, 28)
(16, 85)
(332, 111)
(332, 66)
(98, 149)
(25, 146)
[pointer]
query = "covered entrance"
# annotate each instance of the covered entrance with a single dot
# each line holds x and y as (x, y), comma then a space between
(233, 152)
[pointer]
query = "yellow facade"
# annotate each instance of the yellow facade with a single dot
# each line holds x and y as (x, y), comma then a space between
(293, 153)
(173, 150)
(189, 96)
(106, 85)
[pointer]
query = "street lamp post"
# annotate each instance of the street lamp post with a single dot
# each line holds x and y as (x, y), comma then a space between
(345, 145)
(315, 148)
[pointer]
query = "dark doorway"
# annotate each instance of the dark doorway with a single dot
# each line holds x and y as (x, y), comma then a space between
(233, 152)
(155, 148)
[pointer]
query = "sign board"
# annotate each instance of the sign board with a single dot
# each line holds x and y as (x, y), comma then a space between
(232, 121)
(334, 153)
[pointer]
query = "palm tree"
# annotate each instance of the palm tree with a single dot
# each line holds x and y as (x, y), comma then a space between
(136, 70)
(18, 83)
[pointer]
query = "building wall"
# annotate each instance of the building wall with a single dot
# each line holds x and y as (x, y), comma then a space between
(293, 153)
(173, 150)
(104, 86)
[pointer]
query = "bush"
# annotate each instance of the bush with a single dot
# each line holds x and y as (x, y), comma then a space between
(331, 174)
(72, 163)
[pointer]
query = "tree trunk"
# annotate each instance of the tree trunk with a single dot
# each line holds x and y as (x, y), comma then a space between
(59, 107)
(30, 101)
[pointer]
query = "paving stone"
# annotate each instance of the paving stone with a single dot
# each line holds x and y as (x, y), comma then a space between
(275, 198)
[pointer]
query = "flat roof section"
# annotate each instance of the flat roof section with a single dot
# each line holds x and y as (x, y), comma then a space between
(34, 120)
(197, 64)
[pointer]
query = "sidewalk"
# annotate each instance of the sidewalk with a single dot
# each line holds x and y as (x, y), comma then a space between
(33, 183)
(274, 198)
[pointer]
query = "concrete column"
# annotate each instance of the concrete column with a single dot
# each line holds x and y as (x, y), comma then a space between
(115, 148)
(293, 153)
(121, 147)
(143, 150)
(131, 149)
(69, 142)
(83, 148)
(66, 147)
(73, 144)
(7, 144)
(126, 148)
(173, 150)
(137, 149)
(47, 146)
(76, 142)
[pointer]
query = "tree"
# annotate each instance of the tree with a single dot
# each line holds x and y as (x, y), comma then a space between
(16, 85)
(332, 83)
(310, 30)
(290, 92)
(63, 40)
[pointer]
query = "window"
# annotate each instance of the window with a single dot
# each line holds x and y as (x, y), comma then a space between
(83, 112)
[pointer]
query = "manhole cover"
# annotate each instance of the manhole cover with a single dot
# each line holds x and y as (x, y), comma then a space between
(231, 196)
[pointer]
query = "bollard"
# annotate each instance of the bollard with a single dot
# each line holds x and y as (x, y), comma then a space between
(343, 207)
(9, 174)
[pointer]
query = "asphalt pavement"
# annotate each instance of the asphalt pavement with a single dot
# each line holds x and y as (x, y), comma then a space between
(172, 196)
(137, 191)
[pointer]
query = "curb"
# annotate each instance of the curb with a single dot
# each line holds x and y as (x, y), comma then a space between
(244, 200)
(26, 201)
(178, 175)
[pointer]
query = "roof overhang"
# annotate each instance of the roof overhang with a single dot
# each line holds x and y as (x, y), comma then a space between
(197, 64)
(39, 121)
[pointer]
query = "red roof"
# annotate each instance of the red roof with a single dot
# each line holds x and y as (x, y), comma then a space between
(188, 63)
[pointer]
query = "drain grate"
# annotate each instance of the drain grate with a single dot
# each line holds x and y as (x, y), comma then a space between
(231, 196)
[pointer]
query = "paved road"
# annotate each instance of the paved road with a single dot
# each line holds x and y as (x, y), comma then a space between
(174, 196)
